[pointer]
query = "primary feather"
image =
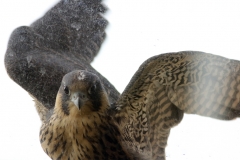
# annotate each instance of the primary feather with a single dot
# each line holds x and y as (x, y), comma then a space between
(66, 38)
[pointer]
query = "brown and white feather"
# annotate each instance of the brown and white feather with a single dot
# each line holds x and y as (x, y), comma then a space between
(166, 86)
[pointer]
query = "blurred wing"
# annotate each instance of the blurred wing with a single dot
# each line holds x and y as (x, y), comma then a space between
(167, 85)
(66, 38)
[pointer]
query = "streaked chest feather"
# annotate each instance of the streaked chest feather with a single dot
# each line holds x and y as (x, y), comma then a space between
(82, 138)
(73, 138)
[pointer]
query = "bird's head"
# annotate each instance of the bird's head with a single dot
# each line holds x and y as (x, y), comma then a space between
(81, 93)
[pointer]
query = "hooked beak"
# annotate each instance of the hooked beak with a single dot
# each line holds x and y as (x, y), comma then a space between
(79, 99)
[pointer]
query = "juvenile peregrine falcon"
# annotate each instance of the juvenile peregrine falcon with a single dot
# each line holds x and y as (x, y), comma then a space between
(85, 126)
(87, 118)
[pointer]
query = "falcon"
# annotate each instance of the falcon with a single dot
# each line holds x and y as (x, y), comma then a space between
(83, 116)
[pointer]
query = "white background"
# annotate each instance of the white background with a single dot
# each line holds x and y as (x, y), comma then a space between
(138, 30)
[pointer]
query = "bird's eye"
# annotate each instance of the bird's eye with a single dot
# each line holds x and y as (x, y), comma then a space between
(92, 89)
(83, 96)
(66, 90)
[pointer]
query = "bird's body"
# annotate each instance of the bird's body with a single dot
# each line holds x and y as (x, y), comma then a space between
(85, 133)
(80, 137)
(98, 132)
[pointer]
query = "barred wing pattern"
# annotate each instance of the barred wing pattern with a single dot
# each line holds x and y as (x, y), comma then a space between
(66, 38)
(165, 87)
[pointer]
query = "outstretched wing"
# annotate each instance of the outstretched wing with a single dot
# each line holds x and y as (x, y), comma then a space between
(66, 38)
(168, 85)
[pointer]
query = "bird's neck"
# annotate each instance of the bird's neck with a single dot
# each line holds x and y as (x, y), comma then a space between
(87, 137)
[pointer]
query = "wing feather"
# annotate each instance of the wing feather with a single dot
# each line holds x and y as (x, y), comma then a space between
(208, 86)
(166, 86)
(66, 38)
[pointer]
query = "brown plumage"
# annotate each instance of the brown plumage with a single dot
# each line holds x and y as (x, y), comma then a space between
(79, 127)
(101, 124)
(137, 126)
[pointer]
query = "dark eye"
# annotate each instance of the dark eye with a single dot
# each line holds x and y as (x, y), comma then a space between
(92, 89)
(66, 90)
